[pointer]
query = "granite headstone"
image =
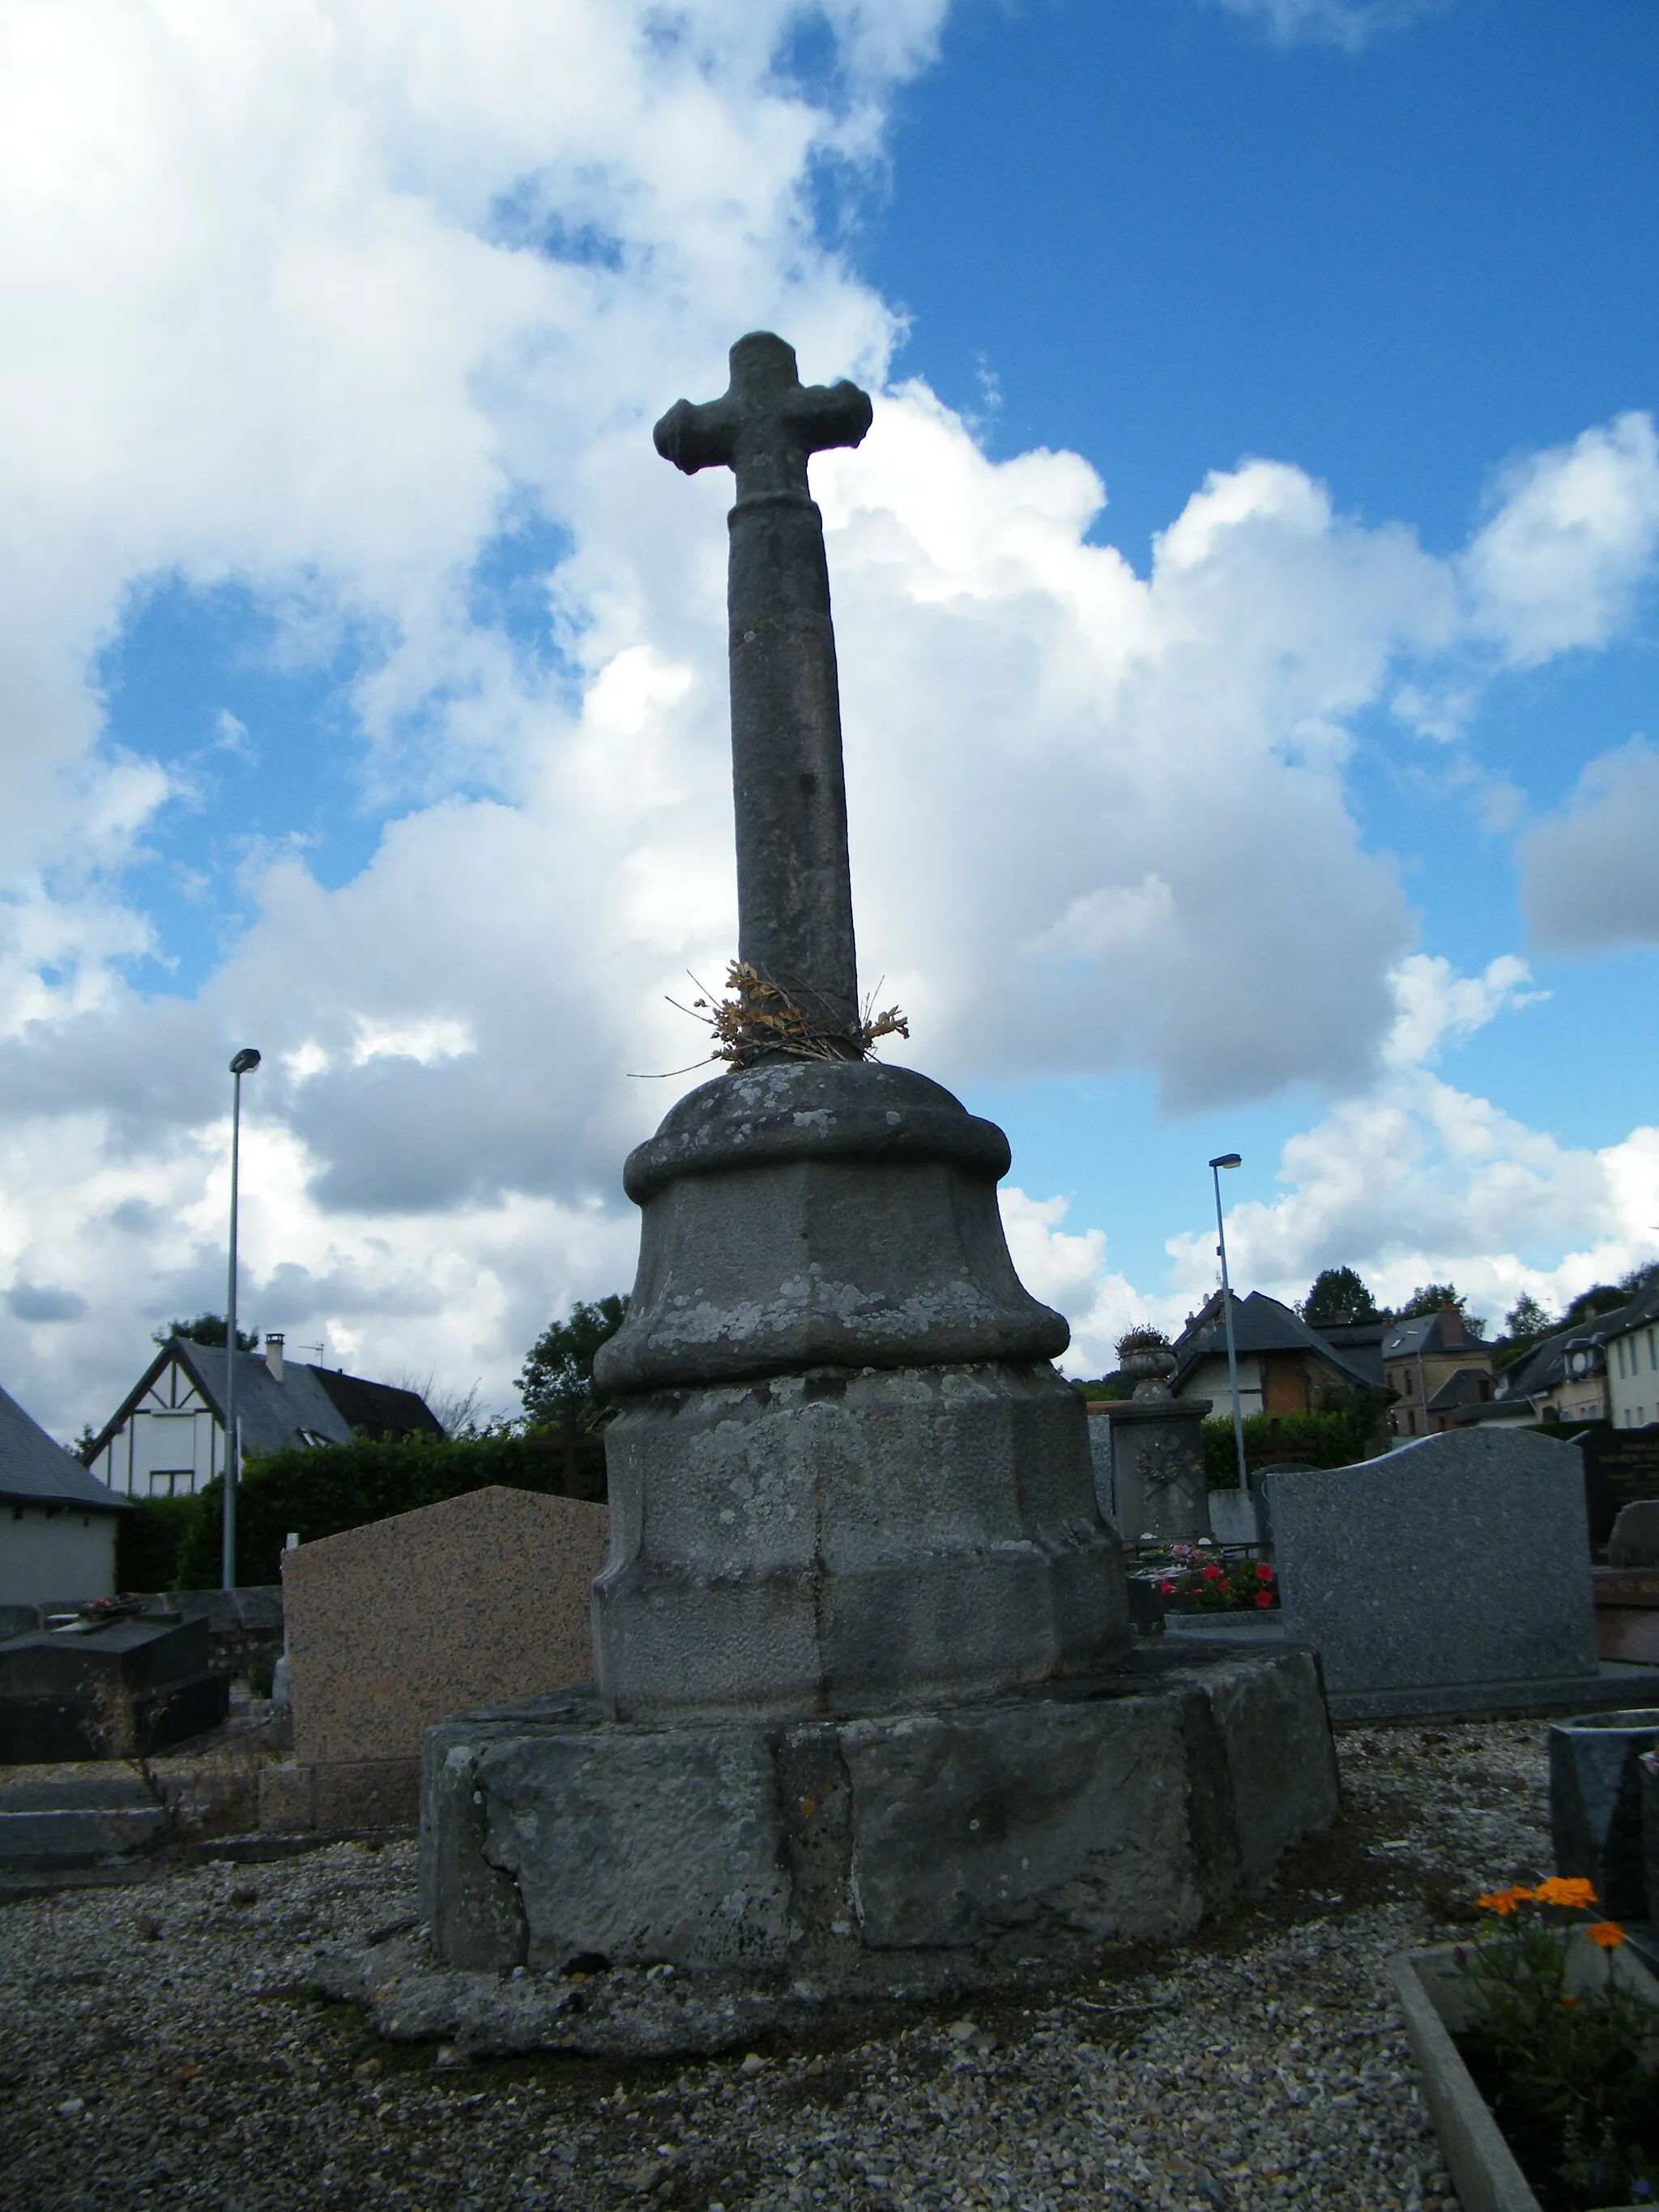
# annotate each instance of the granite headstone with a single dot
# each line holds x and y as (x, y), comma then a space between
(392, 1626)
(1452, 1574)
(1635, 1539)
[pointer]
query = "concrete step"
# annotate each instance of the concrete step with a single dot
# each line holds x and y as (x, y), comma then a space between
(118, 1791)
(74, 1836)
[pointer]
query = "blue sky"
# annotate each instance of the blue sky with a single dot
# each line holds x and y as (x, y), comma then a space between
(1247, 601)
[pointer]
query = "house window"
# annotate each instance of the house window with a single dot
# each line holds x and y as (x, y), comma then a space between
(1653, 1355)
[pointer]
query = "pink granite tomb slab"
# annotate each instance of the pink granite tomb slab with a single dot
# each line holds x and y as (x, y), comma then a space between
(391, 1626)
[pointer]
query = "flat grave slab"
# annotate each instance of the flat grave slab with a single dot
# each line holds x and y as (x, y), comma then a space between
(142, 1682)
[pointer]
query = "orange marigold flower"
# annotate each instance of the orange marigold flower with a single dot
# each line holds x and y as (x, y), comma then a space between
(1565, 1889)
(1504, 1900)
(1607, 1935)
(1569, 2002)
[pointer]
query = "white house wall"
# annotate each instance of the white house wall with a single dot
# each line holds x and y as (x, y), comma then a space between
(1633, 1377)
(1209, 1380)
(47, 1555)
(169, 1446)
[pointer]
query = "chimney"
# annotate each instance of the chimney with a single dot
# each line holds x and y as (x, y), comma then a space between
(274, 1353)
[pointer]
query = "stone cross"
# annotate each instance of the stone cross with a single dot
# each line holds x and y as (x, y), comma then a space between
(794, 888)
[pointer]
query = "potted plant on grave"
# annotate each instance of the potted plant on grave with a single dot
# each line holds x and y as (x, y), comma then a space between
(1539, 2043)
(1197, 1581)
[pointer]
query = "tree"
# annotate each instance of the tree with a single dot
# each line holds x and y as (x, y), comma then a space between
(207, 1328)
(1429, 1297)
(1526, 1319)
(1599, 1298)
(1337, 1295)
(556, 1384)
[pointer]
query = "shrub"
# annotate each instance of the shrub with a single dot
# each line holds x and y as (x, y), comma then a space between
(149, 1541)
(1334, 1439)
(336, 1486)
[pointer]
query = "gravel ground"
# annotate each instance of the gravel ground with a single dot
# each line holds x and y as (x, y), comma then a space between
(159, 2045)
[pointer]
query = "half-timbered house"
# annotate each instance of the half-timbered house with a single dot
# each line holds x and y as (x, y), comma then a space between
(167, 1438)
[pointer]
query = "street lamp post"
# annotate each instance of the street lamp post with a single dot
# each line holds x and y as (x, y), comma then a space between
(244, 1064)
(1229, 1160)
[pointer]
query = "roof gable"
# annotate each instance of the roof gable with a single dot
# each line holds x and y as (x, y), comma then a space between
(310, 1405)
(1261, 1324)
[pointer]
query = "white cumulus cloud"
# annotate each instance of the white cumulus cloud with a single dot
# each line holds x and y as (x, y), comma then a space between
(1570, 542)
(1588, 873)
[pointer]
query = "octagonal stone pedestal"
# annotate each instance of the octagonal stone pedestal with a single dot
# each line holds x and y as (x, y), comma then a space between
(685, 1888)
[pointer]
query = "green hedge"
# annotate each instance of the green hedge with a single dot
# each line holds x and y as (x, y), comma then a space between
(1321, 1439)
(149, 1541)
(336, 1486)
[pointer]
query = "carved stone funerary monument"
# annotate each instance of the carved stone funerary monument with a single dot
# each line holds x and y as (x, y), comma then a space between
(867, 1712)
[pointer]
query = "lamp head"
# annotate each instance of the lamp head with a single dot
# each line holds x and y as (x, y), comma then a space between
(246, 1062)
(1227, 1160)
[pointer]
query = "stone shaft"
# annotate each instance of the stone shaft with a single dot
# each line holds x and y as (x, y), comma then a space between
(794, 885)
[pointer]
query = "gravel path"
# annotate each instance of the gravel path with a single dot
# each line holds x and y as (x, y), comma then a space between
(159, 2047)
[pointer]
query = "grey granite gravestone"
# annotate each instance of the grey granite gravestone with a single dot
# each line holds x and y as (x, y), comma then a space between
(1451, 1575)
(1634, 1542)
(864, 1702)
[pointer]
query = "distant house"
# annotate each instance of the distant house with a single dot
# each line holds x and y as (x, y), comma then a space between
(168, 1439)
(1360, 1343)
(1435, 1368)
(57, 1523)
(1284, 1366)
(1588, 1372)
(1631, 1352)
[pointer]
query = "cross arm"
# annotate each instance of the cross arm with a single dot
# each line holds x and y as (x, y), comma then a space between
(698, 437)
(824, 415)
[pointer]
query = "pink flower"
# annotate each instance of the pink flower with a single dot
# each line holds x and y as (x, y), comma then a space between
(1264, 1597)
(1264, 1573)
(1213, 1574)
(1168, 1589)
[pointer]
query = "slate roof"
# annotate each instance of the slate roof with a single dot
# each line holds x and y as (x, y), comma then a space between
(34, 1470)
(1428, 1332)
(1546, 1365)
(1466, 1386)
(1261, 1324)
(1360, 1343)
(309, 1405)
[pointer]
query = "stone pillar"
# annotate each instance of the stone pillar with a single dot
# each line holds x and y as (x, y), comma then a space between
(1157, 1457)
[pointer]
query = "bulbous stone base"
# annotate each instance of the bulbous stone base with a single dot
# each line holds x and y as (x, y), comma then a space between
(915, 1853)
(839, 1544)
